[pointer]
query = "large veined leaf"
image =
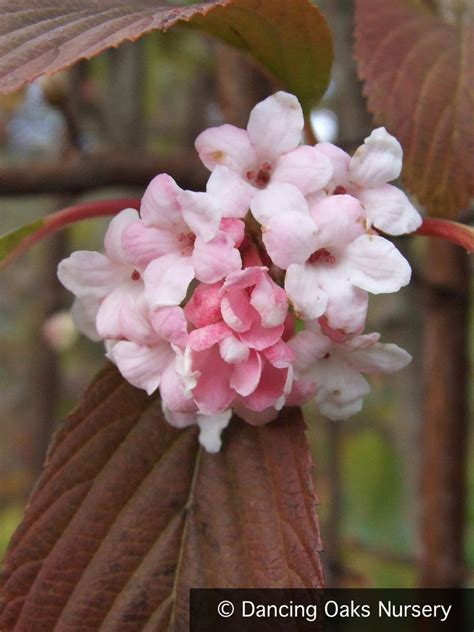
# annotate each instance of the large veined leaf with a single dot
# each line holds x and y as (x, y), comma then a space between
(130, 513)
(291, 38)
(419, 76)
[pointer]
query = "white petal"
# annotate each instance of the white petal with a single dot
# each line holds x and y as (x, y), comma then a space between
(211, 429)
(232, 350)
(225, 145)
(160, 207)
(233, 192)
(142, 366)
(389, 210)
(92, 274)
(340, 219)
(379, 358)
(113, 236)
(215, 259)
(308, 346)
(123, 314)
(302, 288)
(377, 161)
(84, 314)
(178, 419)
(341, 389)
(339, 160)
(278, 199)
(305, 167)
(167, 280)
(202, 212)
(376, 265)
(276, 125)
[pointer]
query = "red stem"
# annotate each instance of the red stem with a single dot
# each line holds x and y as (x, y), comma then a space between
(69, 215)
(459, 234)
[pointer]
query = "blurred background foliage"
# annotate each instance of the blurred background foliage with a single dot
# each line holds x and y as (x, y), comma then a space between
(154, 97)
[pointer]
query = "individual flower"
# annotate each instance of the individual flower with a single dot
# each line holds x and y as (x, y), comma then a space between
(365, 176)
(180, 236)
(336, 369)
(331, 260)
(268, 151)
(237, 350)
(109, 289)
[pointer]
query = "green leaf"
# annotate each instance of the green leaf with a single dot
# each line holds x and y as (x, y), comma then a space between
(129, 513)
(289, 37)
(419, 72)
(11, 241)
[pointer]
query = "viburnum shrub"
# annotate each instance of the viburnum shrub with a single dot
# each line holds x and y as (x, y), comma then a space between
(252, 295)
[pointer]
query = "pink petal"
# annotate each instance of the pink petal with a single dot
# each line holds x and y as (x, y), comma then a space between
(177, 419)
(302, 392)
(212, 393)
(123, 314)
(234, 229)
(340, 163)
(91, 274)
(142, 244)
(242, 279)
(308, 346)
(225, 145)
(215, 259)
(142, 366)
(173, 393)
(233, 192)
(303, 291)
(389, 210)
(278, 199)
(206, 337)
(377, 161)
(270, 388)
(258, 337)
(276, 125)
(170, 324)
(376, 265)
(167, 279)
(204, 306)
(201, 212)
(280, 355)
(304, 167)
(340, 219)
(113, 236)
(160, 206)
(246, 375)
(237, 311)
(256, 418)
(232, 350)
(346, 309)
(270, 301)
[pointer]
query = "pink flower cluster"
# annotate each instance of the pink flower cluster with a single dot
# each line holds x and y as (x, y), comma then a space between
(199, 293)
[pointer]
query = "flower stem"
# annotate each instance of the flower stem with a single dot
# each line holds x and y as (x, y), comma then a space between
(455, 232)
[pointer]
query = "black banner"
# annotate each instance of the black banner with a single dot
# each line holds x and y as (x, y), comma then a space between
(344, 610)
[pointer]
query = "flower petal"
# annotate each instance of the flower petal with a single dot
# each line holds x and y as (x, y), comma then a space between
(280, 355)
(160, 206)
(84, 314)
(215, 259)
(202, 213)
(276, 125)
(389, 210)
(340, 163)
(212, 393)
(303, 290)
(304, 167)
(233, 192)
(87, 273)
(377, 161)
(211, 427)
(141, 244)
(269, 390)
(206, 337)
(170, 324)
(270, 301)
(278, 199)
(225, 145)
(142, 366)
(204, 306)
(173, 392)
(379, 358)
(177, 419)
(246, 375)
(123, 314)
(259, 338)
(237, 311)
(232, 350)
(113, 236)
(340, 219)
(308, 346)
(346, 309)
(167, 280)
(376, 265)
(341, 389)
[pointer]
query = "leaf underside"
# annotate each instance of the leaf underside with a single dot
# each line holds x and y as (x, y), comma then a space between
(291, 39)
(129, 513)
(419, 77)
